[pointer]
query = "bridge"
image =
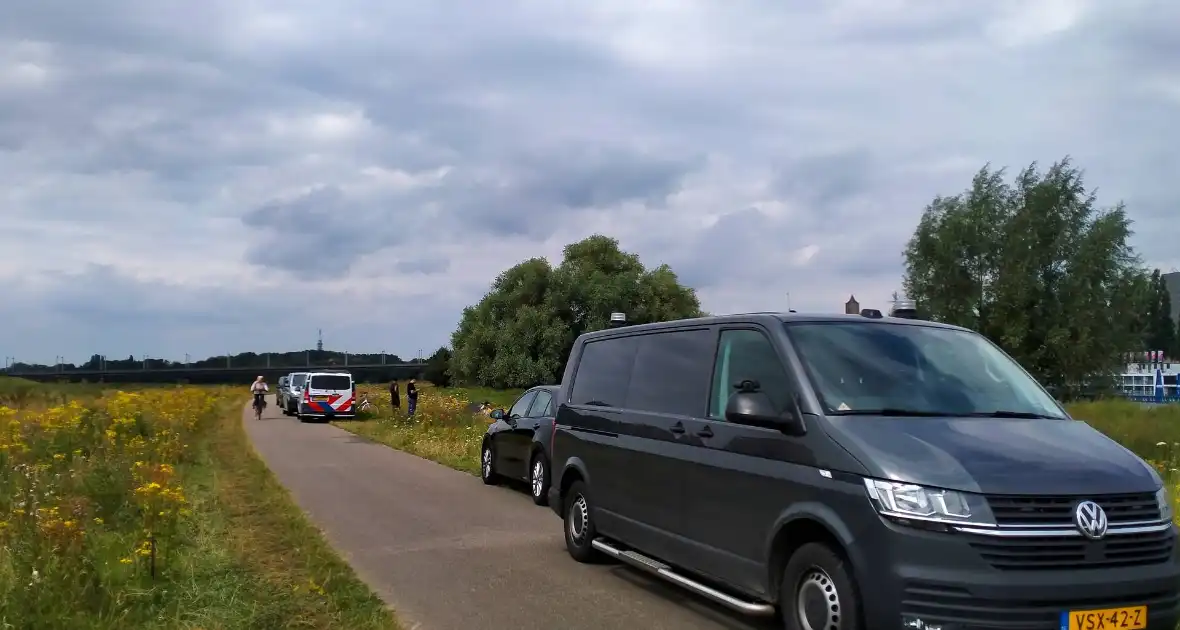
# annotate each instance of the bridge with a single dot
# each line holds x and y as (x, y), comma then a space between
(365, 372)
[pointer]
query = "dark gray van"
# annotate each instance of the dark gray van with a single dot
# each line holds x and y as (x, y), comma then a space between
(855, 472)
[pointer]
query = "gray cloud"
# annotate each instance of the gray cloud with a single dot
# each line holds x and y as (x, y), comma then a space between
(320, 233)
(221, 163)
(427, 266)
(538, 191)
(827, 183)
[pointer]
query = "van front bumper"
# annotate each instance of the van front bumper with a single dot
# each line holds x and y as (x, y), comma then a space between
(911, 578)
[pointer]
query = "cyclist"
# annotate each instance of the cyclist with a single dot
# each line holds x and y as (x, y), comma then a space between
(259, 388)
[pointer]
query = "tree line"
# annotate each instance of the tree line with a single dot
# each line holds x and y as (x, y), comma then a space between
(1032, 263)
(294, 359)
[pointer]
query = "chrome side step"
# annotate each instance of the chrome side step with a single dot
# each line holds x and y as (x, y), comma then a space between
(655, 567)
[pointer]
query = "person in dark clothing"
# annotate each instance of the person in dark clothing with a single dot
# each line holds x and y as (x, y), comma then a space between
(395, 398)
(412, 396)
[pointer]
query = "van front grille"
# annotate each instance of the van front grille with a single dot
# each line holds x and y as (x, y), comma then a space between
(1058, 511)
(1042, 553)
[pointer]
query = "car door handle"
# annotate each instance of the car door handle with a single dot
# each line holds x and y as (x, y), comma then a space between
(677, 428)
(705, 432)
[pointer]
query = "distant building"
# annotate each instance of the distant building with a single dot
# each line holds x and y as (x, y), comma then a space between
(1172, 281)
(852, 307)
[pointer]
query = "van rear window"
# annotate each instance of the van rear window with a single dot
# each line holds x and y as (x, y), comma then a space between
(330, 381)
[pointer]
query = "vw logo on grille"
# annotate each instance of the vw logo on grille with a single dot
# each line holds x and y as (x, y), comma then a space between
(1090, 519)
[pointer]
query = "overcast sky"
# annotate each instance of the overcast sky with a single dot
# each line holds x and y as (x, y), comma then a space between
(222, 176)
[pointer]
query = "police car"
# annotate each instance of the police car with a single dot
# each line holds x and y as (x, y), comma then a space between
(327, 396)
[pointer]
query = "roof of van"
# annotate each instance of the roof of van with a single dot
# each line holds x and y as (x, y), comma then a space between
(329, 373)
(770, 318)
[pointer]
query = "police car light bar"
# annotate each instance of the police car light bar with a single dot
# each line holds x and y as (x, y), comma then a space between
(904, 308)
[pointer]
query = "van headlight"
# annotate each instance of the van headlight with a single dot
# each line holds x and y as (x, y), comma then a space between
(1165, 502)
(907, 501)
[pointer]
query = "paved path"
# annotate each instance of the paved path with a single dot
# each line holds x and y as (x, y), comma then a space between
(449, 553)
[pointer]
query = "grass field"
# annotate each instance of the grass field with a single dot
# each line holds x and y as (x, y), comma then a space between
(446, 432)
(148, 509)
(443, 429)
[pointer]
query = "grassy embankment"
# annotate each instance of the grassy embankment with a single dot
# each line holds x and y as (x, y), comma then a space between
(446, 432)
(148, 509)
(443, 429)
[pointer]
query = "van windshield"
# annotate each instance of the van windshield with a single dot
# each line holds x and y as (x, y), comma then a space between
(335, 382)
(907, 369)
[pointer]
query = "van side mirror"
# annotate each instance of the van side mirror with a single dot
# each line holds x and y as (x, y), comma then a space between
(498, 414)
(754, 408)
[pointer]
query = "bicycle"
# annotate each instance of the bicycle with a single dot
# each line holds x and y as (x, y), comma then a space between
(259, 404)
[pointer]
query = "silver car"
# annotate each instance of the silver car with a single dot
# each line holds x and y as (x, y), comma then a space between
(289, 395)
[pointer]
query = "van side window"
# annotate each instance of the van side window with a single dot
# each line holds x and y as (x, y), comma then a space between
(604, 370)
(747, 355)
(671, 373)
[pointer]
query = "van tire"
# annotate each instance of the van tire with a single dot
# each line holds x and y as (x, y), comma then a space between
(578, 517)
(817, 570)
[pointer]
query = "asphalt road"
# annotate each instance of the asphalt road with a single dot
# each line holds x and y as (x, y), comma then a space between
(449, 553)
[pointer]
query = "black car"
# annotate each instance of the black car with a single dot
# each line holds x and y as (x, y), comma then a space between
(852, 472)
(516, 445)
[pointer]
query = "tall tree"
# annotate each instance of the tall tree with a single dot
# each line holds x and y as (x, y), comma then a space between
(438, 367)
(1160, 333)
(1037, 267)
(520, 333)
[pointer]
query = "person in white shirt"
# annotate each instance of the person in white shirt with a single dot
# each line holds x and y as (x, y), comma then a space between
(259, 388)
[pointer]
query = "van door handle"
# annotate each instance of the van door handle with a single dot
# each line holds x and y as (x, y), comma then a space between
(677, 428)
(705, 432)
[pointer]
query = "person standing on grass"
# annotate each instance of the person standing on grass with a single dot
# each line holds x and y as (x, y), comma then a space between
(395, 398)
(412, 396)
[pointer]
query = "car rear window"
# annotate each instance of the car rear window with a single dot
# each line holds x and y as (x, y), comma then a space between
(330, 381)
(298, 379)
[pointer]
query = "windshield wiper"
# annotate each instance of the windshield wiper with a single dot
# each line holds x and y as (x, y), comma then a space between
(890, 411)
(1001, 413)
(922, 413)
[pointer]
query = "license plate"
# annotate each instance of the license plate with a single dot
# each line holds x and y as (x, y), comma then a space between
(320, 398)
(1130, 618)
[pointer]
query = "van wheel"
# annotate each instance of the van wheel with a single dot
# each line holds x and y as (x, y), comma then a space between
(539, 479)
(580, 531)
(487, 465)
(817, 591)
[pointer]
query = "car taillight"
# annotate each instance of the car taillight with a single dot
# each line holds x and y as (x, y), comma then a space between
(306, 396)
